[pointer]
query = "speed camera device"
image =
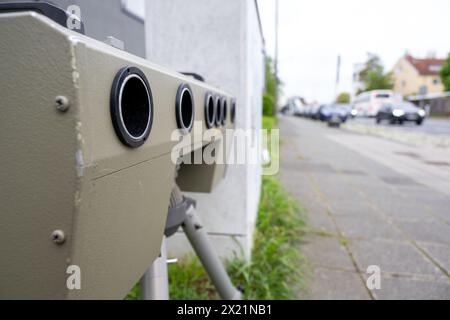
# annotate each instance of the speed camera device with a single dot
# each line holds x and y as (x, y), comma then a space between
(86, 151)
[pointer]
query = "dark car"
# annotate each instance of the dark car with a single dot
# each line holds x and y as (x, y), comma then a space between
(348, 108)
(401, 113)
(315, 112)
(334, 113)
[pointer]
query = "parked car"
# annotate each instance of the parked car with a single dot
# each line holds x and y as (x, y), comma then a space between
(294, 106)
(401, 113)
(315, 111)
(348, 108)
(334, 112)
(299, 109)
(286, 110)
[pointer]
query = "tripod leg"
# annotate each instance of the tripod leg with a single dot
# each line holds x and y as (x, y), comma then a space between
(155, 282)
(199, 240)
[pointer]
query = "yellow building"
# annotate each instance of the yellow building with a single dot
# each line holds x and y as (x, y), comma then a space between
(418, 76)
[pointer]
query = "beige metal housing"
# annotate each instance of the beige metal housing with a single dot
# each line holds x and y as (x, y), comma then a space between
(68, 171)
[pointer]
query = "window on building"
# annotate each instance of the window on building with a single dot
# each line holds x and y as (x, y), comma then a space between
(436, 81)
(423, 90)
(135, 8)
(435, 67)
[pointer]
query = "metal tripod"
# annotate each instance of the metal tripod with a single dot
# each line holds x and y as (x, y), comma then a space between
(182, 213)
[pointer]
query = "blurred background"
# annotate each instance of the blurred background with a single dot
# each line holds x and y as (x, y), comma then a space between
(360, 93)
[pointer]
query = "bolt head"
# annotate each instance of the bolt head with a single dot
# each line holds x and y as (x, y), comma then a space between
(62, 103)
(58, 237)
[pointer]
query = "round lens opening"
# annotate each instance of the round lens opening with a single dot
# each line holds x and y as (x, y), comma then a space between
(185, 109)
(135, 106)
(210, 113)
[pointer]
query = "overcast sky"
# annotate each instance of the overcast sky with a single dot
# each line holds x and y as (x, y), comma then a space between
(314, 32)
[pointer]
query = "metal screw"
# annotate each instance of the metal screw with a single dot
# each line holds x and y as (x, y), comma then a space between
(58, 237)
(62, 103)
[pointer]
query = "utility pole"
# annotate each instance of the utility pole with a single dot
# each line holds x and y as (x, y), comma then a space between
(338, 77)
(276, 53)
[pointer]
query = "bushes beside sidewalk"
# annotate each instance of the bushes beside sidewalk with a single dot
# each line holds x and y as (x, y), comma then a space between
(275, 271)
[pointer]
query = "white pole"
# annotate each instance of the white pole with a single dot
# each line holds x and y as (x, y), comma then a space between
(155, 282)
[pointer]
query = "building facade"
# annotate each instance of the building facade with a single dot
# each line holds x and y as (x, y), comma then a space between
(222, 41)
(418, 76)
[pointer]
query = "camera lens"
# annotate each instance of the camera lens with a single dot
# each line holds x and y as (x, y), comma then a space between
(209, 111)
(185, 111)
(131, 107)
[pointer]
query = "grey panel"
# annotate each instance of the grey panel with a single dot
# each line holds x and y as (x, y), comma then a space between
(106, 18)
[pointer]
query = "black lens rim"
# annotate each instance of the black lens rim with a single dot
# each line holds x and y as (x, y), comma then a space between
(183, 88)
(217, 107)
(115, 107)
(210, 119)
(233, 111)
(224, 111)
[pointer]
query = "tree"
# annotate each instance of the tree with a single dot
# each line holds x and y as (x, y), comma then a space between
(373, 75)
(343, 98)
(272, 90)
(445, 74)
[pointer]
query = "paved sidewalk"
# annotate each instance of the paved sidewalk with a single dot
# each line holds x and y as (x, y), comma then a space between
(364, 210)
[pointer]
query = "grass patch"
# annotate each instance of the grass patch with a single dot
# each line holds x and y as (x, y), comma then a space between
(321, 233)
(269, 123)
(134, 293)
(276, 269)
(344, 241)
(188, 281)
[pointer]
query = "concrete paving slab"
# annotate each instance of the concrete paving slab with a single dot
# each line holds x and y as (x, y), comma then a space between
(369, 227)
(327, 252)
(440, 253)
(332, 284)
(427, 231)
(297, 184)
(440, 212)
(405, 210)
(393, 257)
(354, 208)
(318, 220)
(408, 289)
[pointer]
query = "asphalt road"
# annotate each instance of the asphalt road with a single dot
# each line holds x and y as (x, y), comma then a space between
(430, 126)
(370, 202)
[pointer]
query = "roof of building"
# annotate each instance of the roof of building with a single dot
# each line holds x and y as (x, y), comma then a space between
(426, 67)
